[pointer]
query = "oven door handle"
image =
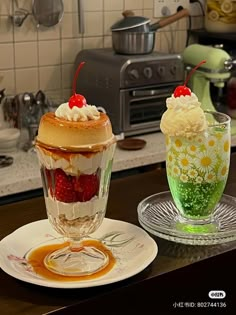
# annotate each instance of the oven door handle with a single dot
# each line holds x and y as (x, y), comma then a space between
(162, 92)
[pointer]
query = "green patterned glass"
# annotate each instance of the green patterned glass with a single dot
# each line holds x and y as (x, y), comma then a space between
(197, 169)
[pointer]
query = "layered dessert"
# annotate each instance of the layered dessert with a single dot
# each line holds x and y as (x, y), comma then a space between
(75, 147)
(198, 153)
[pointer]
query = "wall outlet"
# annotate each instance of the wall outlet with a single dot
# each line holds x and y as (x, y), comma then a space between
(168, 7)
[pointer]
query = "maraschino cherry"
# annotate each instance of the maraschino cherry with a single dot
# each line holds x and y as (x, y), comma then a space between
(183, 90)
(77, 100)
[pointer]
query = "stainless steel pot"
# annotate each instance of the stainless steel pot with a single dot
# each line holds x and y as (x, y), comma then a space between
(135, 35)
(133, 43)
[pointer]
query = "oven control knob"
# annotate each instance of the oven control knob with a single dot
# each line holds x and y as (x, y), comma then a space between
(173, 69)
(147, 72)
(161, 71)
(133, 74)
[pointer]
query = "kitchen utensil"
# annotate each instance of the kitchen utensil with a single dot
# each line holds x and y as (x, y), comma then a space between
(5, 160)
(41, 102)
(217, 70)
(19, 15)
(80, 4)
(133, 43)
(47, 12)
(132, 23)
(11, 107)
(135, 35)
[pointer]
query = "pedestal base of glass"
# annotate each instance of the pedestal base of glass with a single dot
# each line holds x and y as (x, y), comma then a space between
(76, 261)
(209, 225)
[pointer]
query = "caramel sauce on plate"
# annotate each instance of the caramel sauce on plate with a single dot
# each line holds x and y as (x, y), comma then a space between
(36, 260)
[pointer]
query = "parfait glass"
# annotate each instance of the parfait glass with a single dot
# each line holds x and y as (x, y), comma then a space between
(197, 170)
(76, 187)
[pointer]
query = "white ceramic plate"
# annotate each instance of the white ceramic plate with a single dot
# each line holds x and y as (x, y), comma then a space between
(132, 247)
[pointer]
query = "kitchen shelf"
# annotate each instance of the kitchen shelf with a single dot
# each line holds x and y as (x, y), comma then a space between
(203, 34)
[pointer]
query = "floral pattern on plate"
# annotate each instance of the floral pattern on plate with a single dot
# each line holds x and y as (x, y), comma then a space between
(132, 247)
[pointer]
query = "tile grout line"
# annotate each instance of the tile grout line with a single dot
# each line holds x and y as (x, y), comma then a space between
(14, 48)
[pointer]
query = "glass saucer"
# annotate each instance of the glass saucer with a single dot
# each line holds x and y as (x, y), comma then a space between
(158, 215)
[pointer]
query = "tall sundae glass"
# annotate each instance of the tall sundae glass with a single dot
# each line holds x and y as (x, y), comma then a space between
(197, 160)
(75, 147)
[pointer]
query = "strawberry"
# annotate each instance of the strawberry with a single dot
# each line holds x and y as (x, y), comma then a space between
(86, 186)
(64, 188)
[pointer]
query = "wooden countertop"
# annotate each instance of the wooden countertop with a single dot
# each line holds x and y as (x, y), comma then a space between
(166, 278)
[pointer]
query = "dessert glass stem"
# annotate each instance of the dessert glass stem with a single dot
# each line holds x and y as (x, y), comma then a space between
(77, 259)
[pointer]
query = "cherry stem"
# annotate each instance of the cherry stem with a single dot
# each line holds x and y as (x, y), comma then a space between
(192, 71)
(76, 75)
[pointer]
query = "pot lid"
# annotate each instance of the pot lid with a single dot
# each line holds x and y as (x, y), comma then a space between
(129, 22)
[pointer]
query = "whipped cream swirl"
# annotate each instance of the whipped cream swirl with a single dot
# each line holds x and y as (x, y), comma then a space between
(183, 103)
(85, 113)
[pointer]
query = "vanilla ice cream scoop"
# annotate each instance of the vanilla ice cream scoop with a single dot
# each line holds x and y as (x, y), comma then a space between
(183, 117)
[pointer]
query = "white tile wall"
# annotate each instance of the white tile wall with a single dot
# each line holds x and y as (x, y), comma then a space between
(35, 58)
(26, 54)
(27, 80)
(50, 78)
(113, 5)
(7, 56)
(27, 32)
(49, 52)
(70, 48)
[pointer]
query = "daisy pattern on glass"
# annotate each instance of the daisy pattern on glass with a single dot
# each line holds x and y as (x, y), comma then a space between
(212, 142)
(192, 149)
(192, 173)
(199, 180)
(210, 177)
(169, 170)
(178, 144)
(226, 145)
(200, 139)
(205, 161)
(218, 135)
(170, 158)
(168, 142)
(223, 172)
(184, 161)
(176, 171)
(184, 178)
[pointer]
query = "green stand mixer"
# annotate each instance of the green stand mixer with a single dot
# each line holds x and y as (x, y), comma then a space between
(216, 70)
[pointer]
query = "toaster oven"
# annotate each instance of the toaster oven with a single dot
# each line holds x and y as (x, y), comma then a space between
(131, 89)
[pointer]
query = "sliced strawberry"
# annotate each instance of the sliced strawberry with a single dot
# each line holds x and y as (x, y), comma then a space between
(64, 187)
(86, 186)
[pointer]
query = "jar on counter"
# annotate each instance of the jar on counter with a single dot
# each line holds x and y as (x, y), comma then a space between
(220, 16)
